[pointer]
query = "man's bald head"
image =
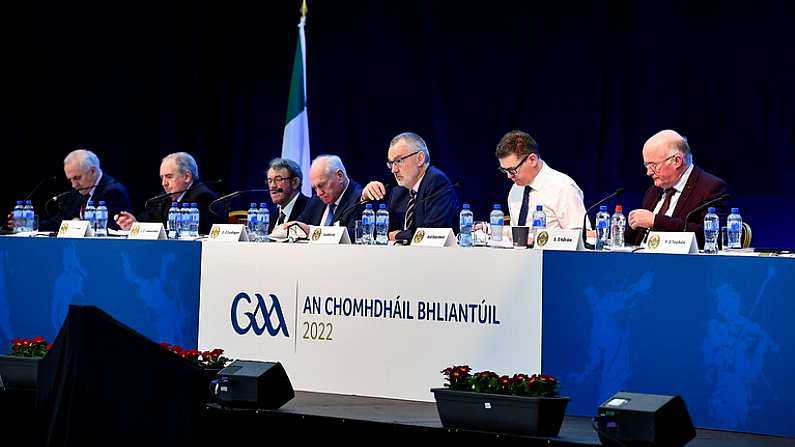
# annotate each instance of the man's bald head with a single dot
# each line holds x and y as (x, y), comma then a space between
(666, 156)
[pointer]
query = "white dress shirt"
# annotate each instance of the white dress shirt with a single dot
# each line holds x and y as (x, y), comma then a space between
(560, 196)
(679, 186)
(336, 208)
(288, 208)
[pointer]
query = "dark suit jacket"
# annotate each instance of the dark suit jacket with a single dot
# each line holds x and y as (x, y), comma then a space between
(700, 188)
(114, 194)
(347, 212)
(298, 208)
(201, 194)
(436, 205)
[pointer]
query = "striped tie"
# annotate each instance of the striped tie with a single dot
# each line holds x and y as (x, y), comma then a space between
(408, 223)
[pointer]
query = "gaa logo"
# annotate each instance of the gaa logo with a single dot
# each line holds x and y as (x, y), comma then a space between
(542, 239)
(419, 236)
(214, 232)
(261, 318)
(135, 230)
(63, 229)
(654, 242)
(316, 234)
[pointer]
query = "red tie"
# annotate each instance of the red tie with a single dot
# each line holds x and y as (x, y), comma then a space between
(83, 206)
(667, 202)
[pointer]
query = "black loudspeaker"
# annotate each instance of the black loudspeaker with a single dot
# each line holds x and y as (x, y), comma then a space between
(248, 383)
(641, 420)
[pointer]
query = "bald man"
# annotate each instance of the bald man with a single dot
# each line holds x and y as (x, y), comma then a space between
(679, 188)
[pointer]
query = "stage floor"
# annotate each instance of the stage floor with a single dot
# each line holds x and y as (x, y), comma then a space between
(334, 414)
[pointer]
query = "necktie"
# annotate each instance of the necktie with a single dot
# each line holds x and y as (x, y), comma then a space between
(83, 206)
(525, 205)
(330, 215)
(281, 218)
(667, 202)
(408, 223)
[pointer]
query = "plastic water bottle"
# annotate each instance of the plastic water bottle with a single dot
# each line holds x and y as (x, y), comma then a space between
(711, 231)
(253, 217)
(19, 217)
(102, 219)
(539, 218)
(174, 222)
(382, 225)
(734, 228)
(263, 222)
(602, 228)
(194, 219)
(618, 223)
(368, 224)
(496, 220)
(465, 220)
(29, 215)
(184, 221)
(91, 215)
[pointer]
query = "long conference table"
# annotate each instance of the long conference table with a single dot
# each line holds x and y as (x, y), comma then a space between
(384, 321)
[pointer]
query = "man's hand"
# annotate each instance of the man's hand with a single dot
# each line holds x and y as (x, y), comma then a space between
(393, 234)
(124, 220)
(10, 221)
(641, 219)
(374, 191)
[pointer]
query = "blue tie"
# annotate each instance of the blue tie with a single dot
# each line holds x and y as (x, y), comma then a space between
(525, 205)
(330, 215)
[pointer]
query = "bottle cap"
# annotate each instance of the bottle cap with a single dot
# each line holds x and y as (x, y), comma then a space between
(497, 206)
(101, 203)
(711, 209)
(539, 207)
(619, 209)
(253, 205)
(466, 206)
(735, 210)
(603, 208)
(369, 206)
(263, 205)
(382, 206)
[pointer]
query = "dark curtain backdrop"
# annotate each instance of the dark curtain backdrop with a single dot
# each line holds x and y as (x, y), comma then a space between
(591, 81)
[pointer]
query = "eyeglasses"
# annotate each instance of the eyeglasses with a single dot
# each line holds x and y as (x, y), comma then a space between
(399, 161)
(654, 165)
(278, 179)
(514, 170)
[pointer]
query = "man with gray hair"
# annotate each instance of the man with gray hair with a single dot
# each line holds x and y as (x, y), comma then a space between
(336, 199)
(679, 188)
(424, 197)
(284, 179)
(179, 176)
(89, 182)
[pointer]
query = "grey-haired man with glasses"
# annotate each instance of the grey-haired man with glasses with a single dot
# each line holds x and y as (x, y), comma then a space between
(424, 197)
(284, 179)
(536, 183)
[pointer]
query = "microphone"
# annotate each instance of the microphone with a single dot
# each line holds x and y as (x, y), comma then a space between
(341, 214)
(704, 205)
(163, 195)
(232, 195)
(615, 193)
(36, 188)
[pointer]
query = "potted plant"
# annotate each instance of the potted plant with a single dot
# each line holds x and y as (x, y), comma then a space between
(212, 361)
(20, 368)
(519, 404)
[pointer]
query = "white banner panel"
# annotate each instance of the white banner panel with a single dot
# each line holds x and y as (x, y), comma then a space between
(372, 320)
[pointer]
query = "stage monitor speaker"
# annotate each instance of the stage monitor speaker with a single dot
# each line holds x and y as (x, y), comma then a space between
(248, 383)
(644, 420)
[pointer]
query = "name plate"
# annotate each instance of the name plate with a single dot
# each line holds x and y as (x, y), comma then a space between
(147, 230)
(329, 235)
(434, 237)
(558, 239)
(228, 233)
(75, 229)
(672, 242)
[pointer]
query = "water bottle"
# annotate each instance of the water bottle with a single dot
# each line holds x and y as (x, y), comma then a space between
(28, 215)
(253, 217)
(602, 228)
(734, 228)
(617, 225)
(102, 219)
(382, 225)
(91, 215)
(465, 220)
(174, 223)
(19, 217)
(711, 231)
(184, 221)
(194, 219)
(368, 224)
(496, 219)
(539, 218)
(263, 222)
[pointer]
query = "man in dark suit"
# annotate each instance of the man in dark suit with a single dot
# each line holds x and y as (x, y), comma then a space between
(679, 188)
(179, 175)
(284, 179)
(336, 199)
(425, 198)
(89, 182)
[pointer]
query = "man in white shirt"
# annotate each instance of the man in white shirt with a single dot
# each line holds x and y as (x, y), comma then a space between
(536, 183)
(284, 179)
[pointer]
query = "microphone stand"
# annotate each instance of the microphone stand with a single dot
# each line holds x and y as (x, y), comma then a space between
(615, 193)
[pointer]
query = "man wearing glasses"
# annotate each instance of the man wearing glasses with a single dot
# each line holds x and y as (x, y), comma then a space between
(284, 182)
(679, 187)
(424, 197)
(536, 183)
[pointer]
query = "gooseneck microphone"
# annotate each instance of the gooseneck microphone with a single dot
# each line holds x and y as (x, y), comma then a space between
(163, 195)
(56, 198)
(615, 193)
(38, 185)
(721, 197)
(227, 198)
(339, 215)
